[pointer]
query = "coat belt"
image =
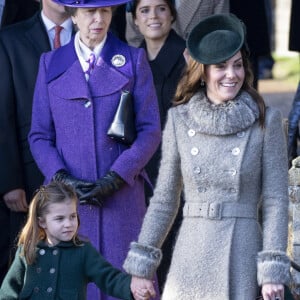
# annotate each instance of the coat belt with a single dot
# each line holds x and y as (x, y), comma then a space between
(219, 210)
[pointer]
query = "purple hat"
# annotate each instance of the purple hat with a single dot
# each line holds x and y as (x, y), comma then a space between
(90, 3)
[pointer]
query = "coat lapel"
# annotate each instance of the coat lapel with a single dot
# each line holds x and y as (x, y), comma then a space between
(65, 66)
(107, 73)
(166, 58)
(108, 79)
(71, 84)
(37, 35)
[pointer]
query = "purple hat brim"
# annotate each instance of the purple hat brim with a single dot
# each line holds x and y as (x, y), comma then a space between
(90, 3)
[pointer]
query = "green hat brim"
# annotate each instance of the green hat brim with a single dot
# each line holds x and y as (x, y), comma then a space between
(216, 38)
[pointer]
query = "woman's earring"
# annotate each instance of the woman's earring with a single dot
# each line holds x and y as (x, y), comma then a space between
(202, 83)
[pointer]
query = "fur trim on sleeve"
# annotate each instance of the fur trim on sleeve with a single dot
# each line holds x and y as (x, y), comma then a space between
(273, 267)
(142, 260)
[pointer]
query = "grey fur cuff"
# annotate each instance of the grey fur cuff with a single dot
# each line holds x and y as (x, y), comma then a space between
(273, 267)
(142, 260)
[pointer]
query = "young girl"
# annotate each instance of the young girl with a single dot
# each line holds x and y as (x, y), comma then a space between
(52, 262)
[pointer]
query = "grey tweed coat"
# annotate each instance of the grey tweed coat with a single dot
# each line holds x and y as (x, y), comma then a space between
(227, 166)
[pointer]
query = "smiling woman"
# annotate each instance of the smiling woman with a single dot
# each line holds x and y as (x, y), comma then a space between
(224, 80)
(154, 20)
(227, 153)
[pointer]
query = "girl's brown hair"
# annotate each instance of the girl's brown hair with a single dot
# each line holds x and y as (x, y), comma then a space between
(194, 75)
(32, 233)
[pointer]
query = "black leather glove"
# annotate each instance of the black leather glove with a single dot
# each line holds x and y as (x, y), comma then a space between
(80, 186)
(105, 187)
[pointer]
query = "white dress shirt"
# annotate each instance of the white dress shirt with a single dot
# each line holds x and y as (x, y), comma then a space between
(83, 52)
(65, 34)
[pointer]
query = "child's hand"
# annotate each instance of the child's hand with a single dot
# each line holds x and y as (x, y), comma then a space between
(142, 289)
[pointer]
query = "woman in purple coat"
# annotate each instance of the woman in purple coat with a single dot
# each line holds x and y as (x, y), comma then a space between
(75, 101)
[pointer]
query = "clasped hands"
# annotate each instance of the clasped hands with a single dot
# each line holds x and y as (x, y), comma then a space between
(272, 291)
(93, 193)
(142, 289)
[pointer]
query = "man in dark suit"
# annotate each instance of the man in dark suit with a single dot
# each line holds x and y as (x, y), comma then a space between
(18, 10)
(20, 48)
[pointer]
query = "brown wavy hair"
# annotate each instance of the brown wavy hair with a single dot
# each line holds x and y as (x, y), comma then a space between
(194, 74)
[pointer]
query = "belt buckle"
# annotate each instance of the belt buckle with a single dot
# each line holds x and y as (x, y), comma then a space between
(215, 211)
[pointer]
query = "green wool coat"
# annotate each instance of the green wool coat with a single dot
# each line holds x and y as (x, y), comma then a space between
(63, 272)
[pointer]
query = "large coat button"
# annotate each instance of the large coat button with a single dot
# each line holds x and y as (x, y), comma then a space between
(241, 134)
(232, 172)
(87, 104)
(201, 189)
(42, 251)
(194, 151)
(232, 190)
(49, 289)
(197, 170)
(55, 252)
(191, 132)
(236, 151)
(52, 270)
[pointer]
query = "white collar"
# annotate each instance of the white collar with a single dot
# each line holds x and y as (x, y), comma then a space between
(83, 52)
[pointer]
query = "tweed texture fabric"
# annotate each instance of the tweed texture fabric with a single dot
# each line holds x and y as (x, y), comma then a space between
(219, 154)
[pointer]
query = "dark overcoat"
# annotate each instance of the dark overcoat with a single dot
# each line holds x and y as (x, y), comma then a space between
(20, 48)
(167, 70)
(63, 272)
(294, 40)
(18, 10)
(69, 131)
(253, 14)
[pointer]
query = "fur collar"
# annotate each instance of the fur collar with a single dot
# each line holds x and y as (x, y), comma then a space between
(223, 119)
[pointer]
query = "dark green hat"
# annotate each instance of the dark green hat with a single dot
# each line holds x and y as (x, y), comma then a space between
(216, 38)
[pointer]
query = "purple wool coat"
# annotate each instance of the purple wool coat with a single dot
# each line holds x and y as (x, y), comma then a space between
(70, 120)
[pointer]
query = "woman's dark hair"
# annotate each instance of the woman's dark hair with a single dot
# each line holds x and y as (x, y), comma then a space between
(131, 7)
(194, 74)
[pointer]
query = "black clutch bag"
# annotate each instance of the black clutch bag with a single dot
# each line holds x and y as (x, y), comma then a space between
(122, 128)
